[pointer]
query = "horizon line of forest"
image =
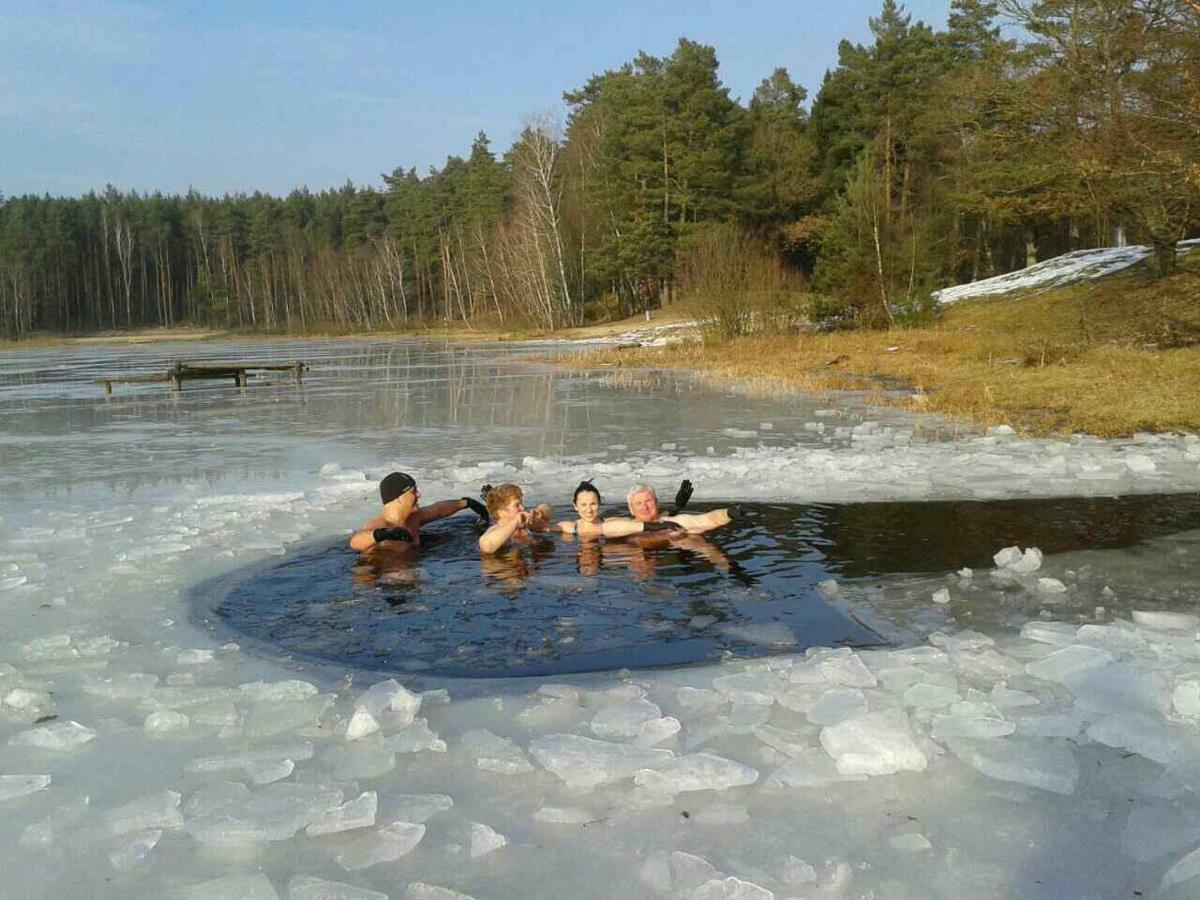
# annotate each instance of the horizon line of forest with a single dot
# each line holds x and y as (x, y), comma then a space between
(926, 158)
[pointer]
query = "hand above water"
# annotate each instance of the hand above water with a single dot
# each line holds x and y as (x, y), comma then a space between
(391, 534)
(682, 496)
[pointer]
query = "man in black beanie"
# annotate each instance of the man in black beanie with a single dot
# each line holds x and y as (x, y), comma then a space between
(400, 521)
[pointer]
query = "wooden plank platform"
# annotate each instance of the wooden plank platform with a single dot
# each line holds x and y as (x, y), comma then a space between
(180, 372)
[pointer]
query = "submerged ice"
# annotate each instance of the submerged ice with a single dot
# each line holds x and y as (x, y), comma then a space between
(1051, 751)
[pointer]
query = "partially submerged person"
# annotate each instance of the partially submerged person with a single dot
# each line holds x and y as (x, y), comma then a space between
(590, 524)
(511, 521)
(398, 524)
(643, 506)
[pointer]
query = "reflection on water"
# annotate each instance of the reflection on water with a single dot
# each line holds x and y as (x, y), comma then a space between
(361, 400)
(554, 606)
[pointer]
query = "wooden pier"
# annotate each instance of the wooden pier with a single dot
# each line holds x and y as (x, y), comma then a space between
(180, 372)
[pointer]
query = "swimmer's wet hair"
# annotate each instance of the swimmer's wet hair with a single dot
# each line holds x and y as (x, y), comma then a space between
(640, 489)
(500, 496)
(586, 487)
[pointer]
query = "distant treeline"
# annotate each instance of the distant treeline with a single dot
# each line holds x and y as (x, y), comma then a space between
(926, 158)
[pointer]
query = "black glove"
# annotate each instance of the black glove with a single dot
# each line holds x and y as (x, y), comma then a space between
(391, 534)
(476, 507)
(484, 491)
(662, 526)
(682, 496)
(737, 513)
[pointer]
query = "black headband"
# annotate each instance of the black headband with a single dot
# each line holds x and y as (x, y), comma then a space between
(394, 485)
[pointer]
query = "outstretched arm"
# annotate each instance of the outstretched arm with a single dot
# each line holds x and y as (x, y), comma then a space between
(618, 528)
(444, 508)
(698, 523)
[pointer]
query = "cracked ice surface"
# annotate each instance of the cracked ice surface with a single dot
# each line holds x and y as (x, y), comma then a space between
(140, 756)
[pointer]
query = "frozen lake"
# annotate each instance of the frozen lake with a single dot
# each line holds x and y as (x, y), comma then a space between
(1030, 730)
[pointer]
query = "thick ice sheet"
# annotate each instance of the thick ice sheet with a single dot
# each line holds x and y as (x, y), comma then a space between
(1036, 755)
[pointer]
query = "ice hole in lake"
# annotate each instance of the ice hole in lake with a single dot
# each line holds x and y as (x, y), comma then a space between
(758, 587)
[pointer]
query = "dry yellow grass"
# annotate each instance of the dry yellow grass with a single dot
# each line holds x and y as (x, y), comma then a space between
(1111, 358)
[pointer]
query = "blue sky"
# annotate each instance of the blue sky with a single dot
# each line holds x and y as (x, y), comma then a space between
(243, 96)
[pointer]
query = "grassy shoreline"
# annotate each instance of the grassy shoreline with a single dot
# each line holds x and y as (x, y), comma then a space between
(1109, 358)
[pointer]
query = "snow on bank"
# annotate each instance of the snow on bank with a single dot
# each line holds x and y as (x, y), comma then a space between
(1081, 265)
(142, 757)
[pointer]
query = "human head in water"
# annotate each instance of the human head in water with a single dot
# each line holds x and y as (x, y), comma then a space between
(586, 501)
(399, 488)
(504, 501)
(643, 503)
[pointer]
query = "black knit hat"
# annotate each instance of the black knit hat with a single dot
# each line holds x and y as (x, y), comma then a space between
(394, 485)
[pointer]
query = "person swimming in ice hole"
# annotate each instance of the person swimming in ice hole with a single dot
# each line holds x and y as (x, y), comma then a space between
(398, 525)
(510, 520)
(590, 524)
(643, 506)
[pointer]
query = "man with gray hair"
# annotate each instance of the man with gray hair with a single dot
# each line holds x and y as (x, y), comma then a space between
(643, 506)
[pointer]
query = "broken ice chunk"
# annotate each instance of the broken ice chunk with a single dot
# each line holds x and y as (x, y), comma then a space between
(494, 753)
(361, 724)
(357, 813)
(393, 697)
(167, 721)
(419, 890)
(157, 810)
(419, 807)
(1161, 620)
(485, 839)
(567, 815)
(837, 704)
(877, 743)
(971, 726)
(689, 871)
(1030, 561)
(269, 772)
(698, 698)
(136, 851)
(232, 887)
(299, 751)
(1147, 735)
(415, 738)
(194, 657)
(930, 696)
(749, 687)
(214, 796)
(1050, 767)
(656, 731)
(731, 888)
(306, 887)
(388, 843)
(273, 814)
(811, 768)
(1051, 586)
(699, 772)
(1007, 557)
(277, 691)
(62, 736)
(842, 666)
(910, 842)
(14, 786)
(1186, 698)
(623, 720)
(1187, 868)
(361, 761)
(1062, 664)
(586, 762)
(941, 596)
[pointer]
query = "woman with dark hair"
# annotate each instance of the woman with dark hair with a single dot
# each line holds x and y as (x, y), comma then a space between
(591, 524)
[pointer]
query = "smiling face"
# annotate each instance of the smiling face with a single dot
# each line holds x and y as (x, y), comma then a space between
(587, 504)
(643, 506)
